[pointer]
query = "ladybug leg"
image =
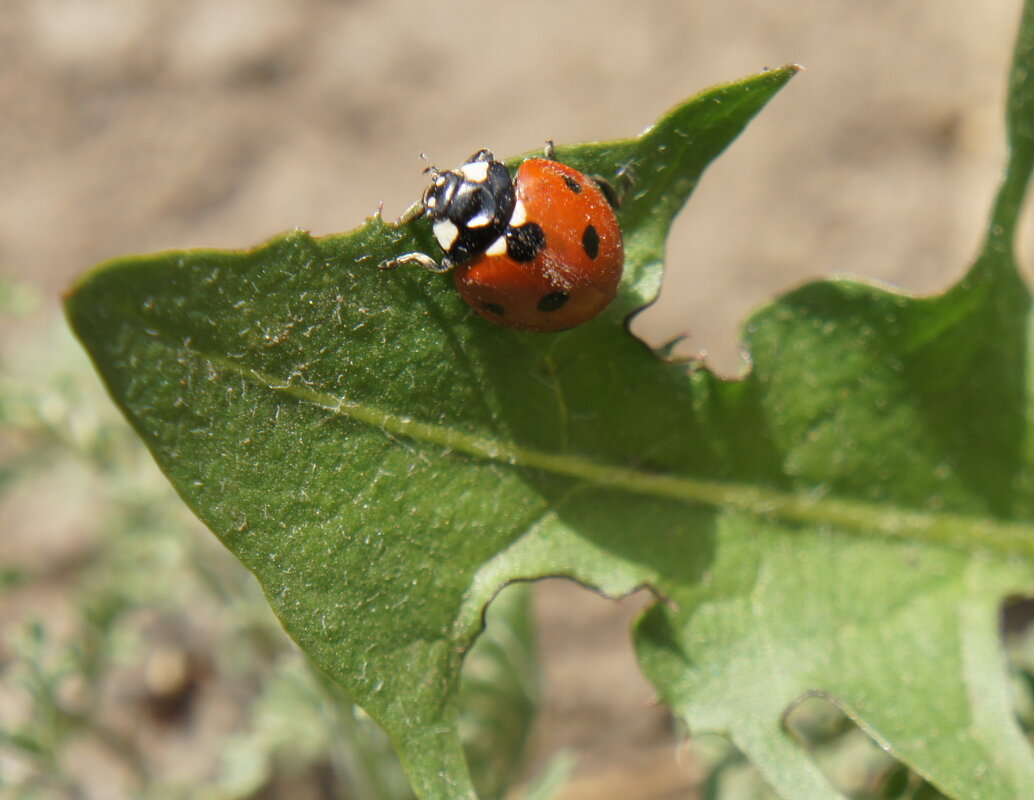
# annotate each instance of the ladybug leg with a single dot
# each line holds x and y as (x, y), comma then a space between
(549, 151)
(614, 196)
(618, 191)
(414, 212)
(420, 259)
(419, 208)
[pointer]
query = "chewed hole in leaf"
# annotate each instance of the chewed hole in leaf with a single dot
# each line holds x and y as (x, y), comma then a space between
(727, 771)
(849, 758)
(595, 702)
(499, 692)
(1018, 642)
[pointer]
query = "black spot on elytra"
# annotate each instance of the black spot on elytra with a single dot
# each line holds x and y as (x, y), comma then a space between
(572, 184)
(494, 308)
(525, 242)
(591, 241)
(553, 301)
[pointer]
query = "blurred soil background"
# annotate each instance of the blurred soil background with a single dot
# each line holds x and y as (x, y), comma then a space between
(131, 126)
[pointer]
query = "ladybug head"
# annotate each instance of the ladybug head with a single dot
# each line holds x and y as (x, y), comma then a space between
(470, 206)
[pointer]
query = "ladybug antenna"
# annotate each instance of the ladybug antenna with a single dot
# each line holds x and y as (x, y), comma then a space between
(430, 169)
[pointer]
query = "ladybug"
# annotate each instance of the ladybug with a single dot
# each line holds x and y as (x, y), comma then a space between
(539, 252)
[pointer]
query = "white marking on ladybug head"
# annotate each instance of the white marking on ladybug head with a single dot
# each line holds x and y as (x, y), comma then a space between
(432, 201)
(445, 232)
(439, 181)
(475, 171)
(519, 216)
(497, 248)
(479, 220)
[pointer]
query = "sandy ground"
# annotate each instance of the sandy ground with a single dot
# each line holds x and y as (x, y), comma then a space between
(138, 125)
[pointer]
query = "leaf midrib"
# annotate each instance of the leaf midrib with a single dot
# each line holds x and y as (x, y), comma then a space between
(815, 508)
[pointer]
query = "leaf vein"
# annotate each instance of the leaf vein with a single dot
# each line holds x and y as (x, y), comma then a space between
(881, 521)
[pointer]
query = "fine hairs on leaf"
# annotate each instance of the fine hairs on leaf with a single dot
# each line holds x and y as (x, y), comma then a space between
(845, 520)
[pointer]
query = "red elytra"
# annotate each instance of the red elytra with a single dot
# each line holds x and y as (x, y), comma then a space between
(572, 271)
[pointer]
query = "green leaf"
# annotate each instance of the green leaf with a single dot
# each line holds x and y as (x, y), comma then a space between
(384, 461)
(845, 521)
(902, 418)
